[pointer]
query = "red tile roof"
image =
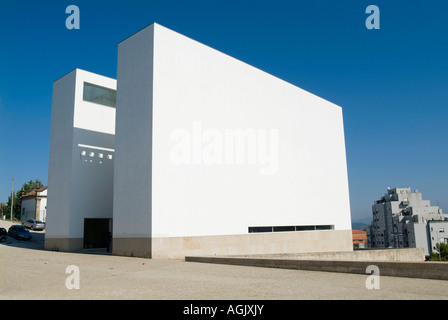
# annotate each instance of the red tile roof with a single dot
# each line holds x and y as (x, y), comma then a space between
(32, 193)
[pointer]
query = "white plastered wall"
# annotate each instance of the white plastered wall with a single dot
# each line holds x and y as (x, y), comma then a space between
(174, 83)
(79, 186)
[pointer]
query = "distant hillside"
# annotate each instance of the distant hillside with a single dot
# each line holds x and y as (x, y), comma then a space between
(361, 223)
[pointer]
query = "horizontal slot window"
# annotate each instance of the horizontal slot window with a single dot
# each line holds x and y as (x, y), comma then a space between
(260, 229)
(290, 228)
(284, 229)
(305, 228)
(325, 227)
(99, 95)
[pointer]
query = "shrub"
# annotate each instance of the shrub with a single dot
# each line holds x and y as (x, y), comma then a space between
(440, 253)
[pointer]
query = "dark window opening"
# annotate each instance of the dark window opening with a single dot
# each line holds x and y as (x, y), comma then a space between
(305, 228)
(100, 95)
(284, 228)
(260, 229)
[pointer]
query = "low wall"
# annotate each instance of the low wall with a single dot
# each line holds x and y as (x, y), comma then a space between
(425, 270)
(399, 255)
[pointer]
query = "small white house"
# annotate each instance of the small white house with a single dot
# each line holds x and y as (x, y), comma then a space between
(34, 205)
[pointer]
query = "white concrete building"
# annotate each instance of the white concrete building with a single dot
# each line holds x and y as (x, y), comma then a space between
(212, 156)
(437, 233)
(400, 220)
(80, 176)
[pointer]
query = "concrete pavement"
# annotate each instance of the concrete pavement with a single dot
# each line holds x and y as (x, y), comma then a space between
(28, 272)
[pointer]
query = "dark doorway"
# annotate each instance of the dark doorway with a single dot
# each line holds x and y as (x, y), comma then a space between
(96, 233)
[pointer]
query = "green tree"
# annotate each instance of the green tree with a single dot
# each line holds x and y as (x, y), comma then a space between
(26, 187)
(441, 253)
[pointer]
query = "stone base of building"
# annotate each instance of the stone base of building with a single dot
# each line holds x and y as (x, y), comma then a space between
(63, 244)
(253, 243)
(132, 247)
(240, 244)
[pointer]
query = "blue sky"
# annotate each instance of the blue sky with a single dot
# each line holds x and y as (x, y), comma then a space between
(392, 83)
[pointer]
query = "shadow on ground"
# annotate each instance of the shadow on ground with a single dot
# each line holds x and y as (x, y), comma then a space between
(37, 241)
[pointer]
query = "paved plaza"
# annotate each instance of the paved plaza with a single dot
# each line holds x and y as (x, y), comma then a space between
(29, 272)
